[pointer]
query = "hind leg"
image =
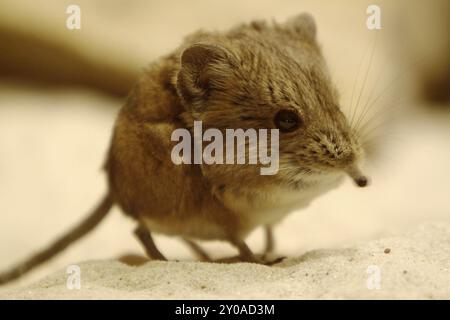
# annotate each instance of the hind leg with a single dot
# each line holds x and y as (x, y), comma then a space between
(145, 238)
(197, 250)
(245, 252)
(270, 241)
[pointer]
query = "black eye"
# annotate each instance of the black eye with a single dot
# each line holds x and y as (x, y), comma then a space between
(287, 120)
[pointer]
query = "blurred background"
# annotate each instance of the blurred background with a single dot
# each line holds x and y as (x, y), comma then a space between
(61, 89)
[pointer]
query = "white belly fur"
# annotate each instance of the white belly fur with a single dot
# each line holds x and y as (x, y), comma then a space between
(269, 208)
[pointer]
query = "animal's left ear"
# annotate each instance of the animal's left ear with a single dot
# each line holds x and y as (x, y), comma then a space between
(204, 67)
(303, 25)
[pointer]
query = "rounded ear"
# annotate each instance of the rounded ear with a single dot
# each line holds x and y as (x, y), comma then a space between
(303, 25)
(203, 67)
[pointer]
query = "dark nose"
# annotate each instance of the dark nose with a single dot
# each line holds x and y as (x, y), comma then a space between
(362, 181)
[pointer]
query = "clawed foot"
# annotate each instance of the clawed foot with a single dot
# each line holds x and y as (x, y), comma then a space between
(272, 259)
(265, 259)
(247, 255)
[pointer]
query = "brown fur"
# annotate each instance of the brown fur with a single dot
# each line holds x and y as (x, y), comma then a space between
(237, 79)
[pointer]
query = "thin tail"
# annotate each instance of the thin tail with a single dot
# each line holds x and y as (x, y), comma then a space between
(60, 244)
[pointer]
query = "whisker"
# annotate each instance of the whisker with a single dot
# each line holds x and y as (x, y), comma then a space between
(374, 143)
(365, 78)
(356, 81)
(396, 107)
(367, 134)
(390, 85)
(367, 107)
(372, 146)
(367, 111)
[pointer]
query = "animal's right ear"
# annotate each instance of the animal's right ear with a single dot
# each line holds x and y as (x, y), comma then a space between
(204, 67)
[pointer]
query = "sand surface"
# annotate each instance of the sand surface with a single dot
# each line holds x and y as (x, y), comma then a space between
(344, 273)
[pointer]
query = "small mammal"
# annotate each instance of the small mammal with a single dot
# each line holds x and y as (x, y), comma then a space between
(256, 75)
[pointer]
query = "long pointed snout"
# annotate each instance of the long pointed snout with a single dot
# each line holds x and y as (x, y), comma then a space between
(360, 179)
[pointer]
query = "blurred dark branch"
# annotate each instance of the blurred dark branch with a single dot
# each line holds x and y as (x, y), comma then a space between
(29, 58)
